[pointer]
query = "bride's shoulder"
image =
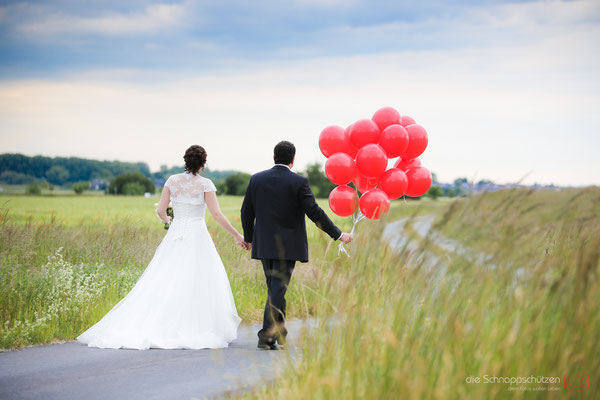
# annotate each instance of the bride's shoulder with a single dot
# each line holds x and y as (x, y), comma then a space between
(174, 177)
(208, 185)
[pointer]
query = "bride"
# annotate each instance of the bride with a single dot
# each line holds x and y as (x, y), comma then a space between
(183, 299)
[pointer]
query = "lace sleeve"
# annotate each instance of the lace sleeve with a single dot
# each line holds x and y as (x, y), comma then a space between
(209, 186)
(169, 183)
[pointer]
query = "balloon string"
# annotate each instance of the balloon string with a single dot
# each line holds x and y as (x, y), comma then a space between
(356, 217)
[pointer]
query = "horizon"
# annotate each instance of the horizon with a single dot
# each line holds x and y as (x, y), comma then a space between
(471, 180)
(505, 89)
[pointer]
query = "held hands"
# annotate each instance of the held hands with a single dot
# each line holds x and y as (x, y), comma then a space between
(239, 240)
(346, 238)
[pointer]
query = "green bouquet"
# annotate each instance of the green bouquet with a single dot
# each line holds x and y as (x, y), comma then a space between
(170, 214)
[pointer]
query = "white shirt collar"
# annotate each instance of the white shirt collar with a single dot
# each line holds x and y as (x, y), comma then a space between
(287, 166)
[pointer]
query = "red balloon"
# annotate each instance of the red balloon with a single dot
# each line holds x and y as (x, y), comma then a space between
(406, 164)
(343, 201)
(364, 131)
(374, 203)
(394, 140)
(405, 121)
(419, 181)
(385, 117)
(351, 149)
(333, 139)
(417, 142)
(340, 168)
(371, 161)
(364, 184)
(393, 182)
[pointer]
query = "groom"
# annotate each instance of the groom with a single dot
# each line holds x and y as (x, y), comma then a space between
(274, 228)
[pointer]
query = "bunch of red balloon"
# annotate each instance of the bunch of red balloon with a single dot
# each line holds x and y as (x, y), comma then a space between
(360, 154)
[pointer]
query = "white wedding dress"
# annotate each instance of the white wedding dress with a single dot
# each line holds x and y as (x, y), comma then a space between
(183, 299)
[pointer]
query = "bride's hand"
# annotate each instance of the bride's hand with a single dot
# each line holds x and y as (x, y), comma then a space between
(239, 240)
(169, 220)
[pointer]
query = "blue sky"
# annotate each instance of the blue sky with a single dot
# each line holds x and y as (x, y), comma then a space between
(50, 38)
(504, 89)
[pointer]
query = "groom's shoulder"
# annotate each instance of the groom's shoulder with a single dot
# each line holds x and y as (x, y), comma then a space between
(259, 175)
(278, 173)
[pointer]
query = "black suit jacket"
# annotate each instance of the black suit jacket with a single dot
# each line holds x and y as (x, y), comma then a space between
(273, 215)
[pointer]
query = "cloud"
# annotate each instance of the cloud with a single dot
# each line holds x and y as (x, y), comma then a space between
(64, 38)
(498, 112)
(323, 3)
(538, 13)
(154, 18)
(480, 25)
(502, 89)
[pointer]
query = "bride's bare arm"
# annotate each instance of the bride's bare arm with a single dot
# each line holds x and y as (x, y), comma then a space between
(161, 209)
(213, 206)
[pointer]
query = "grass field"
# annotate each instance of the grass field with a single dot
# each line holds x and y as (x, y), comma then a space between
(66, 260)
(406, 331)
(530, 308)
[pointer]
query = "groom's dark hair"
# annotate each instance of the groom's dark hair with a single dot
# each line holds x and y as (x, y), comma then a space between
(284, 152)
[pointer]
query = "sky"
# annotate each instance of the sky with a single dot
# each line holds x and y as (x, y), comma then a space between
(507, 90)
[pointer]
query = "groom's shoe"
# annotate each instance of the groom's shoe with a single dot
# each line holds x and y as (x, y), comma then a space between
(268, 346)
(266, 341)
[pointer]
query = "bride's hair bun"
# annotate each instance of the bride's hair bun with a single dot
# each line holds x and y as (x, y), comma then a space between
(195, 158)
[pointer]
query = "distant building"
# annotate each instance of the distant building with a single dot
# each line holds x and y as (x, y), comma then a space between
(97, 184)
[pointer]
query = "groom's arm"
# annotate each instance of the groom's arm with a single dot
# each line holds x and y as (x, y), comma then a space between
(316, 213)
(247, 214)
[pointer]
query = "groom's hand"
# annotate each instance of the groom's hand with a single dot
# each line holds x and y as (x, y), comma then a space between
(346, 238)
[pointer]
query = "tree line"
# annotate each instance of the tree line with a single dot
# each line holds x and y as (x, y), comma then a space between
(135, 178)
(19, 169)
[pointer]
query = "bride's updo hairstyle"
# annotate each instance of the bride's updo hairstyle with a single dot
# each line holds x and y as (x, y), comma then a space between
(195, 158)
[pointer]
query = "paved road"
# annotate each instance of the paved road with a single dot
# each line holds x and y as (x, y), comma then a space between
(75, 371)
(394, 233)
(423, 225)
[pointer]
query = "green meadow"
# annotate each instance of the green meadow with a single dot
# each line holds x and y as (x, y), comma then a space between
(66, 260)
(518, 297)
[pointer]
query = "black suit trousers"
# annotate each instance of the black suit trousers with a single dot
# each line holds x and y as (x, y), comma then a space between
(278, 274)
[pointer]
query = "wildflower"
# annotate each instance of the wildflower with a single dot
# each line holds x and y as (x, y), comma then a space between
(73, 289)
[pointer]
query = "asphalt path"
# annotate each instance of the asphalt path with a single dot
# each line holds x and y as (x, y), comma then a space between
(74, 371)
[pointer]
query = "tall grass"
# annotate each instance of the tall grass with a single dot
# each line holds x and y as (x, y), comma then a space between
(409, 328)
(66, 261)
(57, 299)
